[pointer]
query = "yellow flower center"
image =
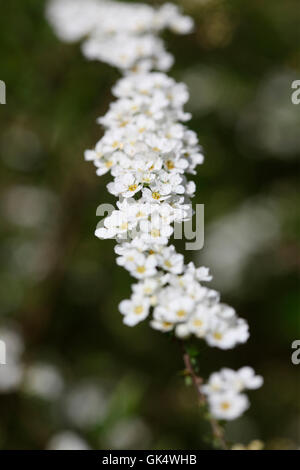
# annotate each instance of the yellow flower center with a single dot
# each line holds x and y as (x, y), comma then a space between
(132, 187)
(138, 310)
(181, 313)
(141, 269)
(155, 195)
(155, 233)
(218, 336)
(225, 405)
(170, 165)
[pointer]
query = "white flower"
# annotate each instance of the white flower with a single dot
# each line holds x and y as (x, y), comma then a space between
(125, 185)
(248, 378)
(44, 380)
(223, 391)
(200, 274)
(11, 376)
(14, 344)
(115, 224)
(174, 310)
(103, 163)
(182, 25)
(215, 384)
(128, 257)
(136, 243)
(223, 311)
(86, 404)
(161, 325)
(182, 331)
(199, 323)
(171, 261)
(67, 440)
(242, 379)
(168, 183)
(152, 196)
(138, 264)
(147, 287)
(227, 334)
(159, 145)
(11, 373)
(175, 164)
(228, 405)
(134, 310)
(156, 230)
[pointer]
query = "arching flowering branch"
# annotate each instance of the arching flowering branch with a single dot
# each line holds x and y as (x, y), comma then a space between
(149, 153)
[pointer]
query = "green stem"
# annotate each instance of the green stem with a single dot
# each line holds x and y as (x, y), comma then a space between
(216, 429)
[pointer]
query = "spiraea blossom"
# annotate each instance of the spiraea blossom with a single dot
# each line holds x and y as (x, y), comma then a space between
(150, 154)
(224, 388)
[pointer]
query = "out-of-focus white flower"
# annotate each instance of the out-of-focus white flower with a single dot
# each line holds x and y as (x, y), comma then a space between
(234, 238)
(237, 381)
(135, 310)
(67, 440)
(28, 206)
(182, 331)
(223, 391)
(43, 380)
(11, 373)
(13, 342)
(271, 119)
(10, 377)
(228, 405)
(128, 434)
(227, 334)
(108, 26)
(86, 404)
(170, 260)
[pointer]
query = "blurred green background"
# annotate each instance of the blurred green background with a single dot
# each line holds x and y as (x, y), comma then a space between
(113, 386)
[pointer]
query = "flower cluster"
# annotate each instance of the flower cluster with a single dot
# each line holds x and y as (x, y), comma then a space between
(122, 35)
(149, 152)
(224, 388)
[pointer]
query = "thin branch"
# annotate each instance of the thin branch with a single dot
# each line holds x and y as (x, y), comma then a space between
(217, 430)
